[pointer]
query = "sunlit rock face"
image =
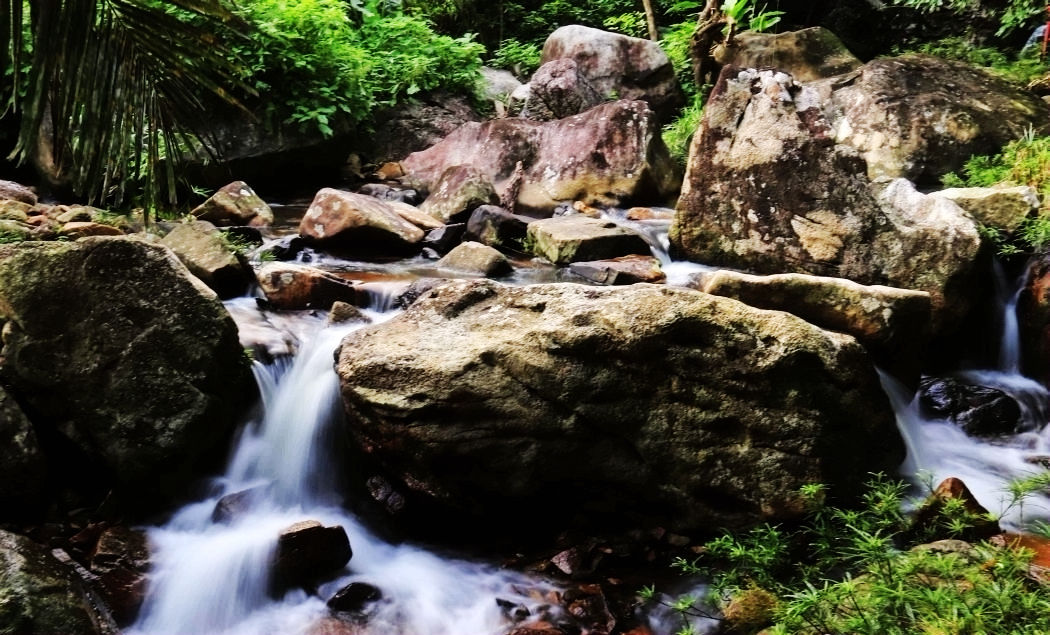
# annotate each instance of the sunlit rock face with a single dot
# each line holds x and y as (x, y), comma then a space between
(640, 404)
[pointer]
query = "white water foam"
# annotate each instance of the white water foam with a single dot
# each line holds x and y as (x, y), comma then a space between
(211, 577)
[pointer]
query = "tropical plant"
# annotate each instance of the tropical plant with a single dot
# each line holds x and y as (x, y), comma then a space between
(1016, 13)
(860, 570)
(116, 90)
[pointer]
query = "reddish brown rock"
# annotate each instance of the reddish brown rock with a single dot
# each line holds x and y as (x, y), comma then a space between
(610, 155)
(295, 286)
(356, 221)
(927, 519)
(618, 66)
(622, 270)
(121, 561)
(79, 229)
(308, 552)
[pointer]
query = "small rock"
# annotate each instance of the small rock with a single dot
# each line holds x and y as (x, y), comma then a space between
(750, 610)
(294, 286)
(623, 270)
(472, 257)
(72, 213)
(496, 227)
(14, 210)
(79, 229)
(389, 193)
(926, 520)
(308, 552)
(354, 597)
(201, 247)
(233, 506)
(648, 213)
(287, 248)
(235, 204)
(414, 215)
(443, 239)
(343, 312)
(1001, 207)
(576, 238)
(389, 171)
(568, 561)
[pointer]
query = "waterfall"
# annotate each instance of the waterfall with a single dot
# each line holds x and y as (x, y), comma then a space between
(211, 577)
(939, 449)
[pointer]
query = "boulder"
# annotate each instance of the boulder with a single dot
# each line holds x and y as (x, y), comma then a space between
(207, 254)
(417, 124)
(893, 324)
(343, 312)
(459, 191)
(357, 221)
(617, 405)
(294, 286)
(981, 411)
(769, 190)
(559, 89)
(610, 155)
(577, 238)
(14, 231)
(920, 117)
(121, 560)
(308, 552)
(235, 204)
(494, 226)
(23, 466)
(1002, 207)
(117, 349)
(39, 594)
(9, 190)
(618, 66)
(806, 55)
(622, 270)
(475, 258)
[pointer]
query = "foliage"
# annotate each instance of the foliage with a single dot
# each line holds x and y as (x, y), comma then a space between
(315, 64)
(678, 135)
(1021, 70)
(1022, 162)
(520, 58)
(675, 43)
(1016, 13)
(116, 82)
(857, 571)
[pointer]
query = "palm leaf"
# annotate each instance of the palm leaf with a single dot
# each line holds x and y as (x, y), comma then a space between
(121, 90)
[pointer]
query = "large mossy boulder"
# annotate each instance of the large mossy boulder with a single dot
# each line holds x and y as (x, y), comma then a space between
(806, 55)
(609, 155)
(769, 190)
(39, 594)
(640, 404)
(919, 117)
(123, 359)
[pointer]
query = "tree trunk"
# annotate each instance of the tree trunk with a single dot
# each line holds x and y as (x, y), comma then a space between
(705, 69)
(650, 20)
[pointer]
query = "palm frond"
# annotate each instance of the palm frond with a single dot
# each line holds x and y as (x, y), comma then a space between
(122, 89)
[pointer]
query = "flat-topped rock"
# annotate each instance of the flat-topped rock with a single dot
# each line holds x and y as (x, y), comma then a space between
(622, 270)
(576, 238)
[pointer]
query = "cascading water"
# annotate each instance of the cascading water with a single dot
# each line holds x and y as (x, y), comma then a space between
(211, 577)
(941, 449)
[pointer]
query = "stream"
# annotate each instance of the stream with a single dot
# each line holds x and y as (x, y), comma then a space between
(212, 577)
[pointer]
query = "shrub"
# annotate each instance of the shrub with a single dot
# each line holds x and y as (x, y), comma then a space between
(678, 135)
(859, 571)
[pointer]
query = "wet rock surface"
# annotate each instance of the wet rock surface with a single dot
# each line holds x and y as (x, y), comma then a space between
(308, 552)
(979, 410)
(482, 398)
(295, 286)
